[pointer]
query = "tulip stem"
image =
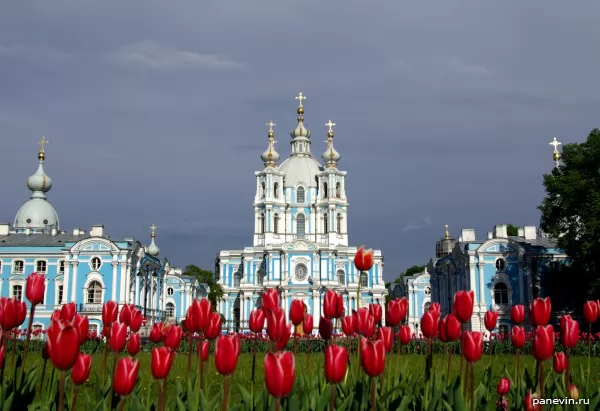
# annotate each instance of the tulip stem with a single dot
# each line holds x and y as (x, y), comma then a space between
(161, 395)
(398, 349)
(104, 359)
(472, 386)
(277, 404)
(61, 390)
(41, 381)
(201, 365)
(225, 389)
(517, 373)
(332, 397)
(450, 349)
(121, 404)
(568, 376)
(114, 373)
(587, 381)
(190, 349)
(372, 393)
(75, 395)
(253, 358)
(541, 377)
(27, 339)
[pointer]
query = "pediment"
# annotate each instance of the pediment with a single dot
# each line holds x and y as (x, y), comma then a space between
(94, 245)
(498, 247)
(300, 245)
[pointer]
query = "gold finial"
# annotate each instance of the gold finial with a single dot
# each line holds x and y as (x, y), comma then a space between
(330, 124)
(447, 234)
(270, 124)
(42, 153)
(300, 109)
(556, 155)
(153, 228)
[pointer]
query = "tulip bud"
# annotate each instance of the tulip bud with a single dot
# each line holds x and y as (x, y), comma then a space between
(110, 311)
(135, 322)
(203, 350)
(270, 299)
(590, 311)
(214, 326)
(325, 328)
(63, 344)
(280, 372)
(539, 311)
(257, 321)
(173, 337)
(517, 337)
(490, 319)
(463, 305)
(81, 369)
(560, 362)
(363, 260)
(573, 391)
(472, 345)
(162, 360)
(308, 324)
(543, 343)
(227, 350)
(517, 314)
(372, 356)
(156, 333)
(377, 312)
(336, 363)
(126, 374)
(503, 386)
(118, 337)
(134, 344)
(35, 288)
(297, 310)
(348, 325)
(405, 336)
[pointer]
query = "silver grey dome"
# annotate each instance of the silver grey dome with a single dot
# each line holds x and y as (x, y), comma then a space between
(300, 169)
(36, 214)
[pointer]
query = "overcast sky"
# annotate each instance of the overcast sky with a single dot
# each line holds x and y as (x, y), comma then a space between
(155, 111)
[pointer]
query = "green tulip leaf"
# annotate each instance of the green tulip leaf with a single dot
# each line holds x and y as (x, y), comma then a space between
(246, 396)
(293, 403)
(323, 403)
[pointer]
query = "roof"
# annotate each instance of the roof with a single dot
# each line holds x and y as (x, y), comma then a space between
(39, 240)
(537, 242)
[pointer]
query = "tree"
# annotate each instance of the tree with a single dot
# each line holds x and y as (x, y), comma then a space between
(571, 209)
(206, 277)
(512, 230)
(415, 269)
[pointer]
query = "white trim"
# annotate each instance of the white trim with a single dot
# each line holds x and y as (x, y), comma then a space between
(93, 276)
(12, 281)
(35, 265)
(504, 279)
(92, 259)
(58, 281)
(171, 301)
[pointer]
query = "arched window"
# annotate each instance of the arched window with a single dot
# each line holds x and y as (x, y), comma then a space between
(237, 279)
(341, 277)
(326, 223)
(500, 264)
(94, 293)
(276, 190)
(276, 223)
(364, 280)
(17, 292)
(300, 225)
(170, 310)
(426, 306)
(95, 263)
(262, 223)
(300, 195)
(170, 291)
(501, 293)
(339, 223)
(338, 190)
(427, 291)
(325, 194)
(262, 190)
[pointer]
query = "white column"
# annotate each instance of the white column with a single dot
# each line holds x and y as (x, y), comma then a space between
(122, 281)
(113, 293)
(182, 297)
(137, 291)
(472, 282)
(481, 285)
(316, 309)
(127, 283)
(65, 294)
(286, 304)
(74, 282)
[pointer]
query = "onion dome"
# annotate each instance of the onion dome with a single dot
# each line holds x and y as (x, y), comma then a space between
(270, 157)
(300, 131)
(330, 156)
(153, 249)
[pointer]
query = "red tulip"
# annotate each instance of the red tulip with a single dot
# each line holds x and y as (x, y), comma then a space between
(543, 343)
(336, 363)
(134, 344)
(429, 324)
(377, 312)
(21, 312)
(203, 350)
(364, 322)
(503, 387)
(517, 314)
(280, 372)
(463, 305)
(118, 336)
(125, 314)
(136, 320)
(126, 375)
(528, 402)
(63, 340)
(276, 324)
(539, 311)
(297, 309)
(449, 328)
(569, 331)
(198, 315)
(82, 323)
(81, 369)
(396, 311)
(156, 333)
(386, 335)
(590, 311)
(173, 337)
(436, 309)
(270, 299)
(9, 317)
(110, 311)
(333, 305)
(226, 353)
(560, 362)
(257, 321)
(372, 356)
(404, 335)
(162, 360)
(363, 260)
(517, 337)
(490, 319)
(214, 326)
(472, 345)
(325, 328)
(308, 324)
(348, 325)
(35, 288)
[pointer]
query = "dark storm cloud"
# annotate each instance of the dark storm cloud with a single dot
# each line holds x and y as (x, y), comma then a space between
(156, 111)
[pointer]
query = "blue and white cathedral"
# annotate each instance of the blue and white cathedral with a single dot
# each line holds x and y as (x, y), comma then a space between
(300, 242)
(86, 267)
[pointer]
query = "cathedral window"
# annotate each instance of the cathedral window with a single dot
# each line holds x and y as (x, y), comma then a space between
(170, 291)
(59, 296)
(170, 310)
(17, 292)
(339, 223)
(260, 279)
(341, 277)
(61, 266)
(300, 227)
(262, 223)
(300, 195)
(426, 306)
(276, 224)
(500, 264)
(262, 190)
(94, 293)
(301, 272)
(338, 190)
(500, 294)
(325, 195)
(325, 223)
(40, 266)
(96, 263)
(237, 279)
(364, 280)
(18, 266)
(276, 190)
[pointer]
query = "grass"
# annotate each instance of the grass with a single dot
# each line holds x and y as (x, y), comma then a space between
(304, 364)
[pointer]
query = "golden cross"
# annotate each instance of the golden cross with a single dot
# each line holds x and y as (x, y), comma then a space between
(330, 124)
(153, 228)
(300, 97)
(446, 233)
(270, 124)
(42, 142)
(555, 143)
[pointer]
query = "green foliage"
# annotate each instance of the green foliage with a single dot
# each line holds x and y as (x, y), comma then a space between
(206, 277)
(512, 230)
(571, 208)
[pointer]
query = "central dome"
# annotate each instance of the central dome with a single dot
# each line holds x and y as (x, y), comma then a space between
(36, 214)
(300, 169)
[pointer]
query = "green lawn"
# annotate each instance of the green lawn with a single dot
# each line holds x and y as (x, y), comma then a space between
(311, 365)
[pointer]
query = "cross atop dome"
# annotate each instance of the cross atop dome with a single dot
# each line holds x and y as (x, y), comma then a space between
(300, 97)
(270, 124)
(270, 157)
(42, 153)
(300, 130)
(153, 228)
(330, 124)
(556, 155)
(330, 156)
